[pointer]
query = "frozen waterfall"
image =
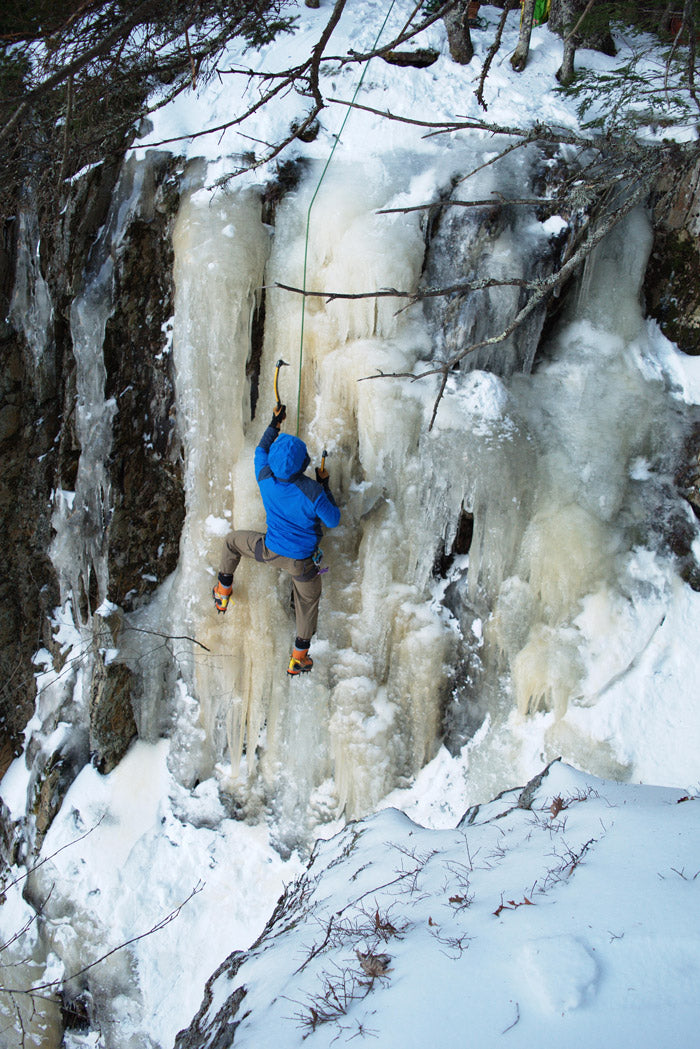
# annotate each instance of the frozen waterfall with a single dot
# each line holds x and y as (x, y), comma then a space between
(555, 467)
(561, 474)
(369, 716)
(524, 648)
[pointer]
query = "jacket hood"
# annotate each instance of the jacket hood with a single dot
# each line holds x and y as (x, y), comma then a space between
(287, 457)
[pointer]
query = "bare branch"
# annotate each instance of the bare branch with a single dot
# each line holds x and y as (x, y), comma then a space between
(443, 125)
(47, 859)
(545, 289)
(102, 47)
(536, 133)
(403, 37)
(493, 160)
(317, 53)
(287, 82)
(439, 397)
(497, 199)
(309, 70)
(414, 296)
(583, 14)
(52, 984)
(542, 289)
(167, 637)
(493, 51)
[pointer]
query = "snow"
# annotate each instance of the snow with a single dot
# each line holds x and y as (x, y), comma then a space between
(136, 830)
(561, 923)
(601, 954)
(217, 526)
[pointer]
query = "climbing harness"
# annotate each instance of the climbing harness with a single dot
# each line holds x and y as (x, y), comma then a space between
(317, 557)
(313, 201)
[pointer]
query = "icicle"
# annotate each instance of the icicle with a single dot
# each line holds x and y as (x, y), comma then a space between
(79, 548)
(589, 412)
(31, 309)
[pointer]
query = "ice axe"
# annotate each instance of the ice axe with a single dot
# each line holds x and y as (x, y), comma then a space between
(280, 364)
(321, 472)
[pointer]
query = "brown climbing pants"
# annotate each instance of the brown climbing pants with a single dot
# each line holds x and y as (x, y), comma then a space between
(306, 581)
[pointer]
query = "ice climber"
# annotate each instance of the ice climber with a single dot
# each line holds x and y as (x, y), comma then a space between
(296, 507)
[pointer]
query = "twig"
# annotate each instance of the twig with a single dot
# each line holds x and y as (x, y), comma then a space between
(317, 950)
(493, 160)
(46, 859)
(515, 1021)
(493, 51)
(127, 943)
(167, 637)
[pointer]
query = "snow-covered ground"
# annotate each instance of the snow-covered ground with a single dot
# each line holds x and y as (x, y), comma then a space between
(602, 954)
(558, 918)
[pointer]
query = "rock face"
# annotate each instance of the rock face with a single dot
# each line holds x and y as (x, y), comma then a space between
(145, 466)
(30, 421)
(43, 267)
(672, 283)
(112, 724)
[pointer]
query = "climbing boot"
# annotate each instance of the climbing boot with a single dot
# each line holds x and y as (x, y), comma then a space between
(300, 663)
(221, 595)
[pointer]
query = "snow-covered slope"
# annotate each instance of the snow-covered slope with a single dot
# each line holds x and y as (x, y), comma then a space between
(561, 914)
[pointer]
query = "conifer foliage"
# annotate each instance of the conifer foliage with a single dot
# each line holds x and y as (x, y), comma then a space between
(74, 74)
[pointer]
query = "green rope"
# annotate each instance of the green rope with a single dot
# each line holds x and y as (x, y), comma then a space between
(313, 200)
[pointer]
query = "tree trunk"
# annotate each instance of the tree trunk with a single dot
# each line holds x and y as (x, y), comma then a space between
(665, 19)
(519, 57)
(689, 22)
(458, 35)
(594, 30)
(565, 73)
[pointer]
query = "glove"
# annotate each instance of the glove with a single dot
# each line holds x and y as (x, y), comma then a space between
(278, 416)
(322, 476)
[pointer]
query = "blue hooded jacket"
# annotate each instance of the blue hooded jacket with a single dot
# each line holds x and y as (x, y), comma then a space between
(296, 506)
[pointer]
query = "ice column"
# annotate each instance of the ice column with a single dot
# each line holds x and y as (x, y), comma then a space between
(221, 247)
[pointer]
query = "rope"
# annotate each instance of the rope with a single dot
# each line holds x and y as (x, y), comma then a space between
(313, 201)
